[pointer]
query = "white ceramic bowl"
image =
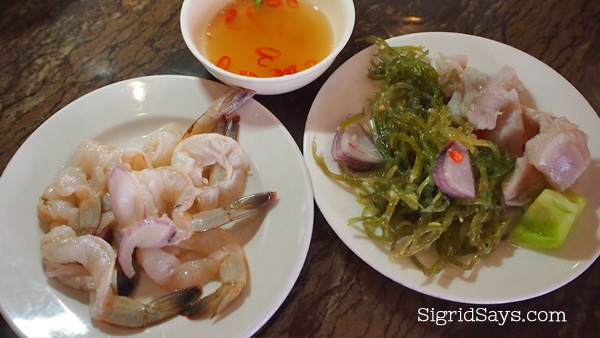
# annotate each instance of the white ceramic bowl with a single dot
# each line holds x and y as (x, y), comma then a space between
(196, 14)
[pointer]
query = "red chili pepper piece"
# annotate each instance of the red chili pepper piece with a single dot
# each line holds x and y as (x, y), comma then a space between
(273, 3)
(267, 53)
(456, 155)
(224, 62)
(250, 11)
(291, 69)
(261, 60)
(277, 72)
(231, 13)
(292, 3)
(247, 73)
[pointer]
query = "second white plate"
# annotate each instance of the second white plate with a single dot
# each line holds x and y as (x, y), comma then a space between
(509, 274)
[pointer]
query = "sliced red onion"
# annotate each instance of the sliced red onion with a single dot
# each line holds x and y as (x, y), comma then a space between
(453, 173)
(125, 198)
(149, 233)
(354, 147)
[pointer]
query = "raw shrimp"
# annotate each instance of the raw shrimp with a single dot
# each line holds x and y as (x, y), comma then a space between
(87, 263)
(199, 154)
(160, 144)
(204, 257)
(240, 208)
(153, 232)
(160, 202)
(154, 192)
(71, 200)
(97, 161)
(76, 197)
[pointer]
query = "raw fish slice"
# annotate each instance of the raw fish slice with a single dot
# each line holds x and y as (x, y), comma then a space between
(524, 183)
(482, 97)
(559, 152)
(510, 134)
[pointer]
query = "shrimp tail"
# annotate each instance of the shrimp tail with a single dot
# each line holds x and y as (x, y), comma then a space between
(233, 127)
(229, 126)
(240, 208)
(215, 302)
(128, 312)
(229, 102)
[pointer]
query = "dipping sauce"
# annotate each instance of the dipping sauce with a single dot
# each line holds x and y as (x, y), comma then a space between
(275, 38)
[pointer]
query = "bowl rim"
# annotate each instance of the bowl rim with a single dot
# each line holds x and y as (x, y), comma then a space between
(325, 63)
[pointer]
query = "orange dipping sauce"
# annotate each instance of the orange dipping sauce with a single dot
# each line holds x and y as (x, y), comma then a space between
(275, 38)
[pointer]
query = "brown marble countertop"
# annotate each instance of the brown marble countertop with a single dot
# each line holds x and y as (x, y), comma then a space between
(55, 51)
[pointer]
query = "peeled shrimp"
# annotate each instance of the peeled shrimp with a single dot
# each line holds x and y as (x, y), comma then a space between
(199, 154)
(164, 190)
(97, 161)
(71, 200)
(138, 195)
(204, 257)
(153, 232)
(75, 197)
(160, 144)
(87, 263)
(161, 200)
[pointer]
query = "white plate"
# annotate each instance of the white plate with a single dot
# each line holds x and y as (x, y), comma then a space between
(122, 114)
(509, 274)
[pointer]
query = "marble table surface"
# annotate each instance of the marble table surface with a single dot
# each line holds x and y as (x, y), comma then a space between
(54, 51)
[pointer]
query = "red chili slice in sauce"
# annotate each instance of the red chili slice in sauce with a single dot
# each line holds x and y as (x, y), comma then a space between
(224, 62)
(250, 11)
(291, 69)
(231, 13)
(266, 53)
(277, 72)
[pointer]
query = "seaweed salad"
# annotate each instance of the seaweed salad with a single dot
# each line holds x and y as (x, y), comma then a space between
(410, 125)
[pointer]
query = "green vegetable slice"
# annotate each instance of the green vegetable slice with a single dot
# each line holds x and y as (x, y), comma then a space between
(548, 220)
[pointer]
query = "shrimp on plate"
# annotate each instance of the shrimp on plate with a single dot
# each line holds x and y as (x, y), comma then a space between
(160, 144)
(87, 262)
(204, 257)
(155, 209)
(136, 196)
(75, 197)
(160, 206)
(216, 164)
